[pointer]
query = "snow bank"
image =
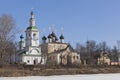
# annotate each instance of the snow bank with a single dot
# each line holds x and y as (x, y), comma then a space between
(68, 77)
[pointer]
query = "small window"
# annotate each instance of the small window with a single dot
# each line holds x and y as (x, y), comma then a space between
(77, 57)
(34, 36)
(64, 57)
(49, 58)
(28, 61)
(60, 56)
(73, 57)
(55, 50)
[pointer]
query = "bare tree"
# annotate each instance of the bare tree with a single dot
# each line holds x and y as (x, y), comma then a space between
(91, 45)
(102, 47)
(118, 45)
(91, 51)
(114, 54)
(7, 36)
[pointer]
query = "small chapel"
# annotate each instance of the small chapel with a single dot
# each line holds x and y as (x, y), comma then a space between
(52, 50)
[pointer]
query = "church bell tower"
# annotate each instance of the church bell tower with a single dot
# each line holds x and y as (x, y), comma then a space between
(32, 33)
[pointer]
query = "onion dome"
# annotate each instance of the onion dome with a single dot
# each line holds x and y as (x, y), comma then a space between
(61, 37)
(21, 37)
(49, 36)
(44, 38)
(53, 34)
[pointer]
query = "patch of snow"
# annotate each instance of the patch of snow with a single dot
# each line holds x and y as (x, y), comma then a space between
(68, 77)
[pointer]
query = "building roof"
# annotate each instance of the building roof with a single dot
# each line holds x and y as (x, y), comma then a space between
(62, 50)
(44, 38)
(49, 36)
(21, 37)
(53, 34)
(61, 37)
(32, 27)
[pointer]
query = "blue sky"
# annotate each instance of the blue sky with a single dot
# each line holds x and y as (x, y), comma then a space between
(98, 20)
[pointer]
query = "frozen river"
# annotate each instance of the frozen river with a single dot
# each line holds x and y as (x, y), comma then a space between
(68, 77)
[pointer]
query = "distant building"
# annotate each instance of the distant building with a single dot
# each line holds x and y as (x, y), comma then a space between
(104, 59)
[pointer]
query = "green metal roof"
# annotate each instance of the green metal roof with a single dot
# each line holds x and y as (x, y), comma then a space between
(32, 27)
(21, 42)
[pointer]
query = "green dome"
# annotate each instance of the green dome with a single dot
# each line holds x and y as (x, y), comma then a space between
(32, 27)
(21, 42)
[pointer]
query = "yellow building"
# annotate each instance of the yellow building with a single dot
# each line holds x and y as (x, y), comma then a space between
(104, 59)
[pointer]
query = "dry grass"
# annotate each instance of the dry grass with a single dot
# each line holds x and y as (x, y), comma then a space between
(11, 71)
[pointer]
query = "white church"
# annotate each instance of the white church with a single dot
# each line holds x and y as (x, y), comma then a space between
(29, 52)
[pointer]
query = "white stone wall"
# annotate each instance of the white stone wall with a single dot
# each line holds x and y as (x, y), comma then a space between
(35, 40)
(33, 54)
(30, 39)
(30, 59)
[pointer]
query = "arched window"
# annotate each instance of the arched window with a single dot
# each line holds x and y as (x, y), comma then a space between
(34, 36)
(77, 57)
(73, 57)
(28, 61)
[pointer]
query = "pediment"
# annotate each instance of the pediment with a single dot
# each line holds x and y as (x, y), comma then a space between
(34, 51)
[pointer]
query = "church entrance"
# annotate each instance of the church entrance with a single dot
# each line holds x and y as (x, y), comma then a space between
(35, 61)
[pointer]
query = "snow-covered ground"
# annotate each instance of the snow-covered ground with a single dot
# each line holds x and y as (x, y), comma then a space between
(68, 77)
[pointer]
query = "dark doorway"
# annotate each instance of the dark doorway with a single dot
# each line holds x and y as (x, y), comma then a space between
(35, 61)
